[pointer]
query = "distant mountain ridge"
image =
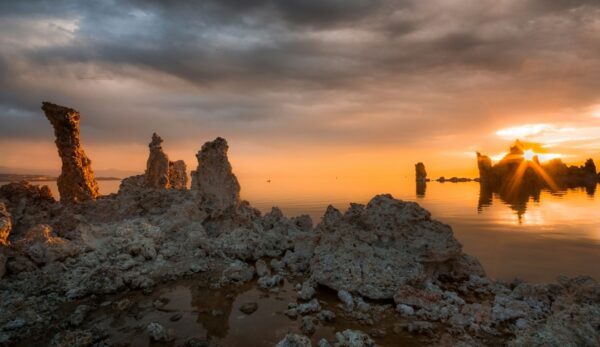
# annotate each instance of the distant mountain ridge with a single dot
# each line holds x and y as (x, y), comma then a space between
(10, 177)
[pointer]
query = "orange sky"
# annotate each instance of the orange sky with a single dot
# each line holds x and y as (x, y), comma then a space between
(357, 88)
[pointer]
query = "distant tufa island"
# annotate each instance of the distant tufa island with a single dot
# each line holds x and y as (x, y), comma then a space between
(8, 177)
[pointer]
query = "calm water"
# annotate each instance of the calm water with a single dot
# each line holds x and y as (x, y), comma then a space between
(538, 241)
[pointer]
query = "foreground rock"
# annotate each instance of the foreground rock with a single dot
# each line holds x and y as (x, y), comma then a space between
(373, 250)
(76, 182)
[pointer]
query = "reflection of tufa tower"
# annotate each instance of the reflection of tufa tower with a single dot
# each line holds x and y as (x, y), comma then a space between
(421, 179)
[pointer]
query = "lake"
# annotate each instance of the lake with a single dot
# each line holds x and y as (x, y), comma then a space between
(558, 234)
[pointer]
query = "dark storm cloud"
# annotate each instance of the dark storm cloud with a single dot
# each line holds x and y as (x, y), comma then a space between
(295, 69)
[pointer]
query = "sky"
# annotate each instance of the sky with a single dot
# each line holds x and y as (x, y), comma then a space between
(302, 87)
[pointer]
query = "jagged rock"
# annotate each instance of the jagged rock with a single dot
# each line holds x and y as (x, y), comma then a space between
(238, 271)
(374, 250)
(294, 340)
(312, 306)
(420, 172)
(41, 246)
(5, 224)
(214, 184)
(178, 174)
(307, 291)
(76, 181)
(28, 206)
(160, 172)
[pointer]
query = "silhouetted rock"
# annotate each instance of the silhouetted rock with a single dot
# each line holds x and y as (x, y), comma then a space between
(420, 172)
(162, 173)
(76, 181)
(213, 183)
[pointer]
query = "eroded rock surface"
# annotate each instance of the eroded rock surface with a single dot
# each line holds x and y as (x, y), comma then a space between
(420, 172)
(162, 173)
(373, 250)
(76, 182)
(5, 224)
(213, 182)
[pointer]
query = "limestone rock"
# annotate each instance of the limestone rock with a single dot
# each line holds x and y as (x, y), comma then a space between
(5, 224)
(162, 173)
(213, 183)
(374, 250)
(76, 181)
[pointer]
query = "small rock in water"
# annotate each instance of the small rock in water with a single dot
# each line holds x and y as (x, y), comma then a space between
(308, 325)
(353, 338)
(346, 298)
(405, 310)
(294, 340)
(326, 316)
(323, 343)
(306, 292)
(309, 307)
(158, 333)
(176, 317)
(249, 307)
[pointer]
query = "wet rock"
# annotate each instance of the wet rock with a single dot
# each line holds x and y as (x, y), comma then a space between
(76, 181)
(323, 343)
(268, 282)
(308, 325)
(312, 306)
(373, 250)
(73, 338)
(346, 298)
(79, 315)
(307, 291)
(294, 340)
(159, 333)
(353, 338)
(262, 269)
(238, 271)
(405, 310)
(292, 313)
(5, 224)
(326, 316)
(249, 308)
(213, 183)
(176, 317)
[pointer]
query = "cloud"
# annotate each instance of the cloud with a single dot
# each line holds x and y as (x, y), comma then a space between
(339, 73)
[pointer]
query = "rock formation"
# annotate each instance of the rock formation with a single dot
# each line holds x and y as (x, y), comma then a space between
(421, 174)
(162, 173)
(76, 181)
(376, 249)
(213, 183)
(5, 224)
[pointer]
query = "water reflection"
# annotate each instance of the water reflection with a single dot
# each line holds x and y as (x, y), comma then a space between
(518, 199)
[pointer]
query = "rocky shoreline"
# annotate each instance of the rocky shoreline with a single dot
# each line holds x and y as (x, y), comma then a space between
(395, 270)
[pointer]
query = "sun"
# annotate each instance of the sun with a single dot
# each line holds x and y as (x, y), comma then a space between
(529, 154)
